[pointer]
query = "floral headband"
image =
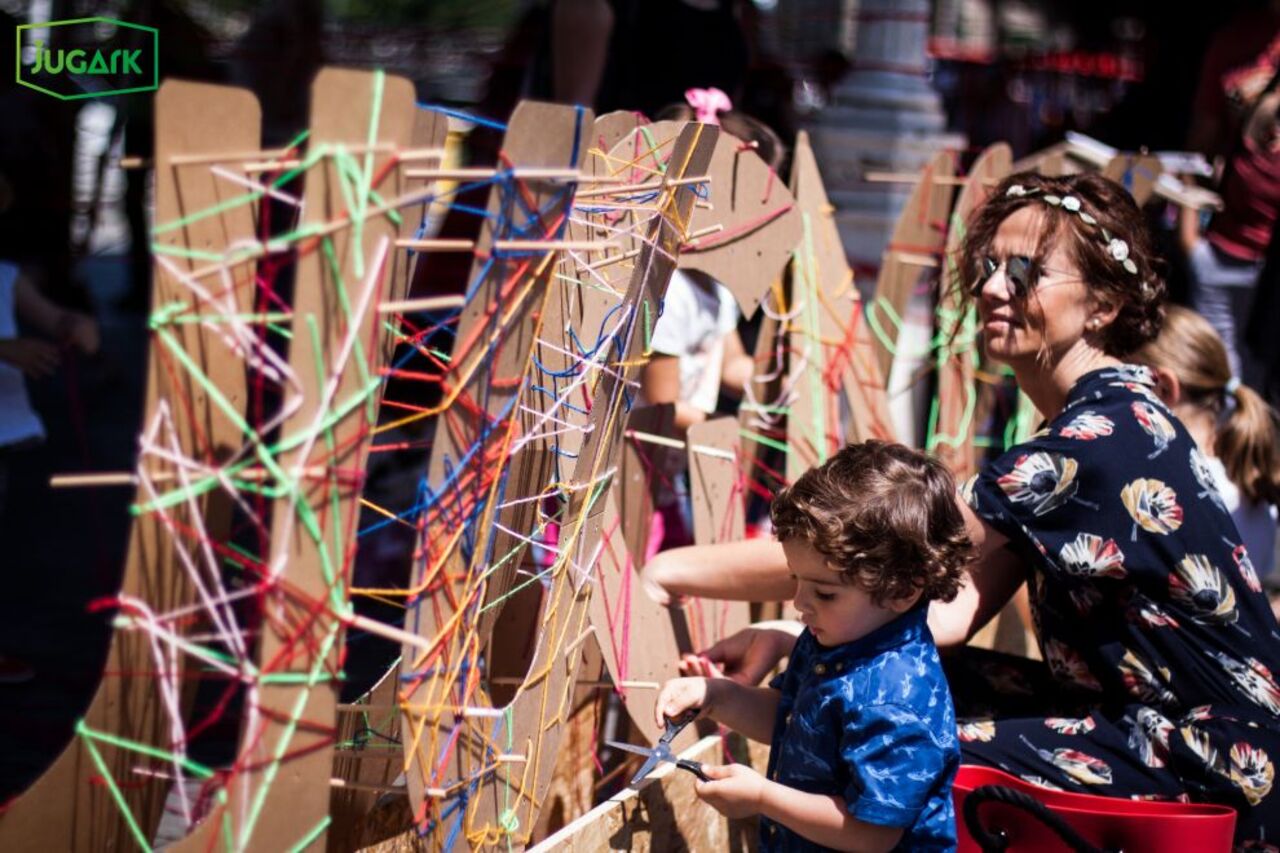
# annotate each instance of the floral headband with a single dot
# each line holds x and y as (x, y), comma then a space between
(1118, 249)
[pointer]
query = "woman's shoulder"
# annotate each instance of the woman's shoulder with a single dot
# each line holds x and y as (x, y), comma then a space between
(1113, 411)
(1113, 438)
(1112, 388)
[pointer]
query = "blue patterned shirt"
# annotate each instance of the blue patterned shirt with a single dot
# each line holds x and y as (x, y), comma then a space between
(871, 721)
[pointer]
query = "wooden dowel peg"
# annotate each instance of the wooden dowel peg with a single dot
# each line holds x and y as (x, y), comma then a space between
(914, 178)
(427, 303)
(449, 245)
(335, 782)
(582, 638)
(914, 259)
(651, 186)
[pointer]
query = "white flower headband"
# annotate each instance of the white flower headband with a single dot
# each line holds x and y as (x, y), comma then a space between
(1117, 248)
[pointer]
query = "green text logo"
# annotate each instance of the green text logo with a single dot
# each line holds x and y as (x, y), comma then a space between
(78, 68)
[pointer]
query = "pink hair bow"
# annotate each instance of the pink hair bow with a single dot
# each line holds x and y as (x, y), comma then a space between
(708, 104)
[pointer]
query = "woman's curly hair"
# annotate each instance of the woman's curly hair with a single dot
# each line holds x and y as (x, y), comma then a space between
(885, 516)
(1138, 296)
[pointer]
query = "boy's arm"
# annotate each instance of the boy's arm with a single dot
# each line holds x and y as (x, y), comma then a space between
(824, 819)
(749, 711)
(736, 791)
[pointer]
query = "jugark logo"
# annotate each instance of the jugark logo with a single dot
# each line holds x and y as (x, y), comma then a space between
(71, 74)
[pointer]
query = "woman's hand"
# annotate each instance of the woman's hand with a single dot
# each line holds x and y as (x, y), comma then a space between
(652, 581)
(747, 656)
(735, 790)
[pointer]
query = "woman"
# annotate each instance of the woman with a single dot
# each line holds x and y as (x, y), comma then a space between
(1159, 646)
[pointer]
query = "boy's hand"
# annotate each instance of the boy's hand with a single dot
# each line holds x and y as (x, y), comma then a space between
(32, 356)
(680, 695)
(735, 790)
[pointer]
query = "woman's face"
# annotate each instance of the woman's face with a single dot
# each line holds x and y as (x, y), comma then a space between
(1052, 316)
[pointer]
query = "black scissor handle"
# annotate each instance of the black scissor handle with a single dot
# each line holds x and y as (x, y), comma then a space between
(675, 725)
(693, 767)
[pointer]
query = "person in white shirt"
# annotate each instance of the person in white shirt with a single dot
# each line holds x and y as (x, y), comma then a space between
(695, 349)
(1233, 427)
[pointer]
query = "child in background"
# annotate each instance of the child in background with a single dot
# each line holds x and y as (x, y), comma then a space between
(695, 344)
(20, 426)
(1234, 429)
(861, 724)
(696, 350)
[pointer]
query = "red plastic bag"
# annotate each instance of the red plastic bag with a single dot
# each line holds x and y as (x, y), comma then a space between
(1106, 823)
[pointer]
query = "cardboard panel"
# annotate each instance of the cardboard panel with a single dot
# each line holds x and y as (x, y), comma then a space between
(71, 806)
(913, 256)
(278, 794)
(479, 774)
(954, 418)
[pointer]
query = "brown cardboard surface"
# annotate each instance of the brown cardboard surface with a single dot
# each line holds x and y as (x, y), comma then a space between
(959, 355)
(65, 809)
(284, 770)
(920, 232)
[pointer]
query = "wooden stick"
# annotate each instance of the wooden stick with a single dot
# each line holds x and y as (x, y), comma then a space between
(373, 626)
(426, 303)
(706, 450)
(335, 782)
(651, 185)
(613, 259)
(449, 245)
(914, 178)
(128, 478)
(582, 638)
(586, 683)
(531, 173)
(703, 232)
(915, 259)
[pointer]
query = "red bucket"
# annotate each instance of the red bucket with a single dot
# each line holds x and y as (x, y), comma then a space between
(1107, 823)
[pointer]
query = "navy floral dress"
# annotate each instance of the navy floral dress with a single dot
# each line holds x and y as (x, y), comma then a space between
(1162, 654)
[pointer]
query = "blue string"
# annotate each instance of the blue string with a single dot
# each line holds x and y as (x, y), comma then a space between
(459, 114)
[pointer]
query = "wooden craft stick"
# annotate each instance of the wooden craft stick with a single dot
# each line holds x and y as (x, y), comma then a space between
(426, 303)
(336, 782)
(128, 478)
(914, 178)
(645, 187)
(447, 245)
(916, 259)
(679, 445)
(530, 173)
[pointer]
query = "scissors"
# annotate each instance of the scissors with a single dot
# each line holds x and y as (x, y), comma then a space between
(662, 751)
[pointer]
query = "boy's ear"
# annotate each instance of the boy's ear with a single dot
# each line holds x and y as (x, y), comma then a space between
(902, 605)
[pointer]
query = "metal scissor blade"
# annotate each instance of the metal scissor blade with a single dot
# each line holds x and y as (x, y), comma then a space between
(631, 747)
(651, 760)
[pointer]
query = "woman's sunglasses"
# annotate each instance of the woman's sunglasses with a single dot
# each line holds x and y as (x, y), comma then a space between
(1023, 273)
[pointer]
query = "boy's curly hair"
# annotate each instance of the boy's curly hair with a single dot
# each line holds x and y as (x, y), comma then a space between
(885, 515)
